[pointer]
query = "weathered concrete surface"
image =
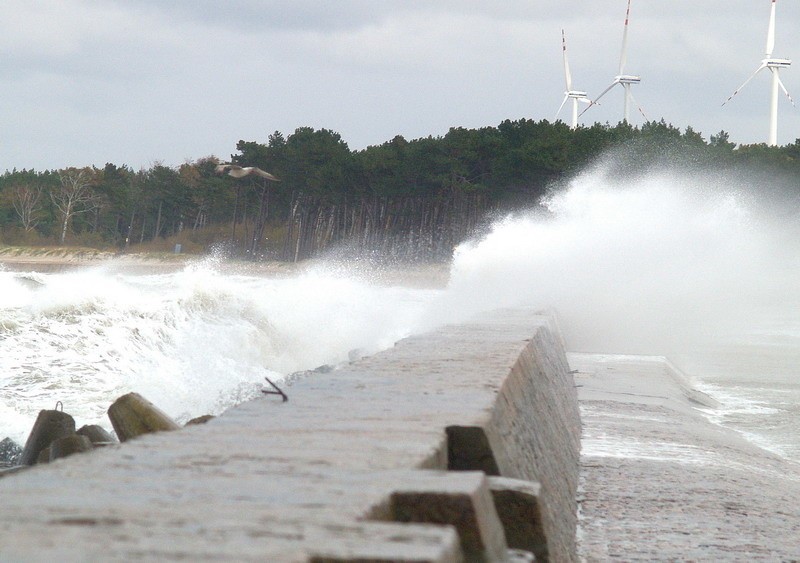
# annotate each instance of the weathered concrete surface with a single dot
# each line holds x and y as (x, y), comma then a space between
(661, 483)
(313, 478)
(517, 505)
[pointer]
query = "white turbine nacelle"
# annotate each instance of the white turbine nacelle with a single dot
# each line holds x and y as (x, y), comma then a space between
(627, 79)
(774, 65)
(578, 95)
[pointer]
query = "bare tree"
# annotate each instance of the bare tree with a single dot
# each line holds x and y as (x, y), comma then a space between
(27, 203)
(74, 195)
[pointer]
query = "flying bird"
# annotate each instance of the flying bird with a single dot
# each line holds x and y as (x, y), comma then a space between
(241, 171)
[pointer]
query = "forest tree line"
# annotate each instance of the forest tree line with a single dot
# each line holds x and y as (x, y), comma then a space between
(409, 199)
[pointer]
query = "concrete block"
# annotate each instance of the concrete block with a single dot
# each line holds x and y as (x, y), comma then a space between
(96, 434)
(387, 542)
(517, 505)
(50, 425)
(199, 419)
(461, 500)
(132, 415)
(69, 445)
(44, 456)
(534, 434)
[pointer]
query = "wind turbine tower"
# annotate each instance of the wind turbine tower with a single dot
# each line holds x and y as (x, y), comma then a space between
(625, 80)
(774, 65)
(570, 94)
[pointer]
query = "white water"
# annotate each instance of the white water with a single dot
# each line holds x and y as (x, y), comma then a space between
(699, 268)
(192, 342)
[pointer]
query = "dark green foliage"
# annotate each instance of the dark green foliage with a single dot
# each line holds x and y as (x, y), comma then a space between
(430, 191)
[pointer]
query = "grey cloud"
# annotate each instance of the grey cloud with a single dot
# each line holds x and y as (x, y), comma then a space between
(254, 15)
(175, 79)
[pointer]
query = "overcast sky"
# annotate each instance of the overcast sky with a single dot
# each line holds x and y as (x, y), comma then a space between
(85, 82)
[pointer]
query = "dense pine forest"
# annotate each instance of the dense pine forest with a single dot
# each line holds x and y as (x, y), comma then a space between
(405, 199)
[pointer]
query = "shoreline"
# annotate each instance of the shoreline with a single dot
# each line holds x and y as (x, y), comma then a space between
(421, 276)
(65, 258)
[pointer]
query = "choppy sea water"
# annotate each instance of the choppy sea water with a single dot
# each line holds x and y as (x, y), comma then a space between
(700, 269)
(192, 342)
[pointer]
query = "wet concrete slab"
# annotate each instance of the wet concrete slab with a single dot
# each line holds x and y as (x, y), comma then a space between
(659, 482)
(317, 478)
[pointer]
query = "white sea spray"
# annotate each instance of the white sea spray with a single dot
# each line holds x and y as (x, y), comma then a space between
(192, 342)
(701, 268)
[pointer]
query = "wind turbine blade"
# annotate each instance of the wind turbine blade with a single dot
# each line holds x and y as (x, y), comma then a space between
(597, 99)
(604, 92)
(561, 107)
(623, 55)
(638, 106)
(771, 31)
(739, 89)
(567, 75)
(785, 91)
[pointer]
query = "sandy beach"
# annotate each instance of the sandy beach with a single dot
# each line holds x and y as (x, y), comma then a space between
(51, 260)
(63, 258)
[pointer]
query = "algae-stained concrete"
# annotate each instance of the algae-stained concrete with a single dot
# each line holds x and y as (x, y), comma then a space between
(330, 474)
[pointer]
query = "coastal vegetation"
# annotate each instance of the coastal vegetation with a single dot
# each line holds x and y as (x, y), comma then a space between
(407, 199)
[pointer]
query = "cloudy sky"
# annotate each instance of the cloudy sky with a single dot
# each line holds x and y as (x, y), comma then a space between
(85, 82)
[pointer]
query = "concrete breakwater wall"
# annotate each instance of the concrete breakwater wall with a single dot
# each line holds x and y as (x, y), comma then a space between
(453, 445)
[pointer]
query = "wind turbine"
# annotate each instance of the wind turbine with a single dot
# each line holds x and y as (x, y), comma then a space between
(570, 94)
(774, 66)
(625, 80)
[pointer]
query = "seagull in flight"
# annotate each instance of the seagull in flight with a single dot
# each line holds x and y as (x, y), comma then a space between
(241, 171)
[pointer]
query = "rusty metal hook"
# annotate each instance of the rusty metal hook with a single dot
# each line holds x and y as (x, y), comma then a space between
(277, 390)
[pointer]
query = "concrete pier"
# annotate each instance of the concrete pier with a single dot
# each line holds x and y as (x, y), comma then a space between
(659, 482)
(385, 460)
